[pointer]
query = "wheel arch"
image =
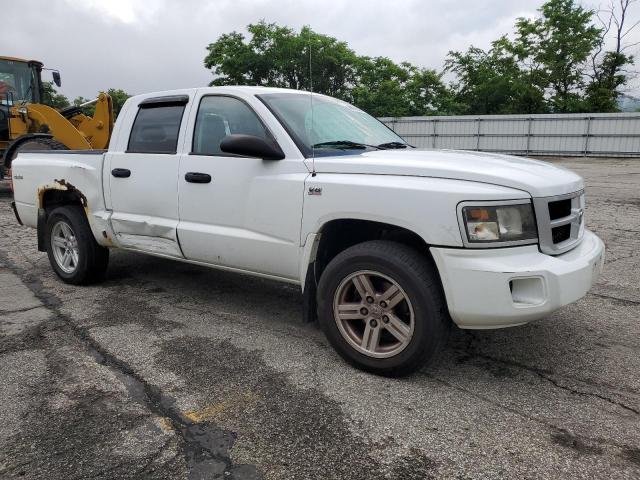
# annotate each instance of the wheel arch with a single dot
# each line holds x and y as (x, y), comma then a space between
(52, 196)
(338, 234)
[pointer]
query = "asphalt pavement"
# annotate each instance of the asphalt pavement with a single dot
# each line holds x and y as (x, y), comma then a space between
(174, 371)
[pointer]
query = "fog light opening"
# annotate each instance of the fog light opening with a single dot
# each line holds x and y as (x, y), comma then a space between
(527, 291)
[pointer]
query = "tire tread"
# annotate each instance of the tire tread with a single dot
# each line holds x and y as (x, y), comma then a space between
(97, 256)
(408, 259)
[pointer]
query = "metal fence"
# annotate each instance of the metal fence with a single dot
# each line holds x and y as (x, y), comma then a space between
(601, 134)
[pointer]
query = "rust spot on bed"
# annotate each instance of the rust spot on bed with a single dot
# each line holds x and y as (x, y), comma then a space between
(72, 188)
(62, 185)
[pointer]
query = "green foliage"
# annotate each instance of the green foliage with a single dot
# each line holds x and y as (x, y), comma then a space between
(52, 98)
(384, 88)
(58, 101)
(544, 68)
(603, 91)
(88, 110)
(555, 48)
(118, 97)
(492, 82)
(277, 56)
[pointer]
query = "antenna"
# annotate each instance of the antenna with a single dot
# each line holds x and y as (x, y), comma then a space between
(313, 150)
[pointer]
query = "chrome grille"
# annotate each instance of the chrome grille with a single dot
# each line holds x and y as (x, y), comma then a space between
(560, 221)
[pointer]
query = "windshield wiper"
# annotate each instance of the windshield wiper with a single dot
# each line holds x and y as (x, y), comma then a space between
(345, 144)
(393, 145)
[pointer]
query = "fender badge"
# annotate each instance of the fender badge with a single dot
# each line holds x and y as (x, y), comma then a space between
(315, 190)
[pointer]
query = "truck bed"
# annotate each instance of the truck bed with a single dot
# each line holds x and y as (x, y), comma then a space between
(55, 172)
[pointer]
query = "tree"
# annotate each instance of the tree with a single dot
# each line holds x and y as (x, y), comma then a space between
(88, 110)
(118, 97)
(556, 62)
(428, 94)
(608, 67)
(386, 89)
(58, 101)
(554, 48)
(52, 98)
(492, 82)
(277, 56)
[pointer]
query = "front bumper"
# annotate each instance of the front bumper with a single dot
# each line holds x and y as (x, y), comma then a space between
(504, 287)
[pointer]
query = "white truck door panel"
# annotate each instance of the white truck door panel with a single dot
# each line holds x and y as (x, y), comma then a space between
(248, 216)
(145, 205)
(143, 180)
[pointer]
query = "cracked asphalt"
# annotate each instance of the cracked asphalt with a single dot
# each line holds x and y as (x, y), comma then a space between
(173, 371)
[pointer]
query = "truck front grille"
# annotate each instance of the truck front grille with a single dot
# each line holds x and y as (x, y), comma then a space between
(560, 234)
(559, 209)
(560, 221)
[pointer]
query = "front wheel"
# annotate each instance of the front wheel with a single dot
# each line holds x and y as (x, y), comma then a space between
(73, 253)
(381, 306)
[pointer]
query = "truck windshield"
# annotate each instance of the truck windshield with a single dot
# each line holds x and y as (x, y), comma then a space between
(16, 82)
(333, 128)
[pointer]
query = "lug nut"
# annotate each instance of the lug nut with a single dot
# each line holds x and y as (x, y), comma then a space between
(369, 299)
(383, 304)
(385, 319)
(373, 323)
(364, 311)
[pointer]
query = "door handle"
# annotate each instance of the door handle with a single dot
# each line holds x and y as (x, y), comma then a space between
(121, 172)
(197, 177)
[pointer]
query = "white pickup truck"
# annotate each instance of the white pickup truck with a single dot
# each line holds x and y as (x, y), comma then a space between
(390, 244)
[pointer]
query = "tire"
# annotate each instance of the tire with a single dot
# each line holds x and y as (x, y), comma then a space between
(34, 145)
(396, 273)
(87, 261)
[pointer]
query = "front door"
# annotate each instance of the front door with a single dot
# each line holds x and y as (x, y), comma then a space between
(143, 180)
(238, 212)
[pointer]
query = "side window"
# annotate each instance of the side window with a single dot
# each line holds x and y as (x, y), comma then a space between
(156, 128)
(220, 116)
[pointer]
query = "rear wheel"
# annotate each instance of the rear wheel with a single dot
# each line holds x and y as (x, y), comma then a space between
(73, 252)
(381, 307)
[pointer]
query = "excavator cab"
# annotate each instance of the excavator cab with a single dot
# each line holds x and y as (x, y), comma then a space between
(20, 82)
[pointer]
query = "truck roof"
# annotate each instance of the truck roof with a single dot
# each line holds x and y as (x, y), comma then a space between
(237, 89)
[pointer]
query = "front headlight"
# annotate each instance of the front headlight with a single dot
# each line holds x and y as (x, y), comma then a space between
(490, 224)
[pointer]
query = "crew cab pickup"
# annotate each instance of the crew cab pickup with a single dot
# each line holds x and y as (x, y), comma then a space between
(390, 244)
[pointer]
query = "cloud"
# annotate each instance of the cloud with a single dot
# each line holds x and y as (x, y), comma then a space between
(160, 44)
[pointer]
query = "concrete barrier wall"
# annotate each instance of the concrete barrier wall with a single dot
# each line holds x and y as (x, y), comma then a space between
(598, 134)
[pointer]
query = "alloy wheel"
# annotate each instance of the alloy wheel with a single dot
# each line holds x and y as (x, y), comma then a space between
(65, 247)
(374, 314)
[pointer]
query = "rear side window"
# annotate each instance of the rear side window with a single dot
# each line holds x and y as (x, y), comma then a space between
(219, 116)
(156, 128)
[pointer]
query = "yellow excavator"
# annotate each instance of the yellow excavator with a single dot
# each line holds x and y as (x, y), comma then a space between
(27, 124)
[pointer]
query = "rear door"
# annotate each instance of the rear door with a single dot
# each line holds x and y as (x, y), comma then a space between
(143, 177)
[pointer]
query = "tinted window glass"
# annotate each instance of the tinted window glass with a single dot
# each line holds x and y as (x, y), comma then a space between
(155, 129)
(222, 116)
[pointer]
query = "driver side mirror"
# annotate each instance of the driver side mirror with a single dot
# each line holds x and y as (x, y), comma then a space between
(251, 146)
(56, 78)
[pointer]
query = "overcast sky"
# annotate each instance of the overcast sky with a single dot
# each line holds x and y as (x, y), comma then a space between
(148, 45)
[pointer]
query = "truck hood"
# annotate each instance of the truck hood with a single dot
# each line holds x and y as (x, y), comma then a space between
(539, 179)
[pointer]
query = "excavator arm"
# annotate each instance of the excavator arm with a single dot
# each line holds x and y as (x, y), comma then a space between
(77, 133)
